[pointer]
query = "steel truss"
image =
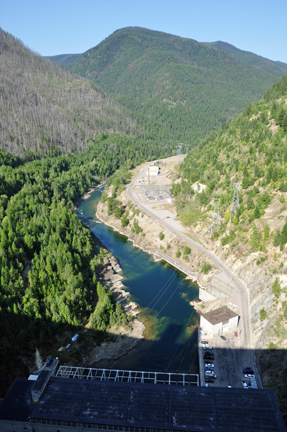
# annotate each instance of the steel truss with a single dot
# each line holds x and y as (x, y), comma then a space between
(216, 222)
(235, 200)
(155, 192)
(128, 376)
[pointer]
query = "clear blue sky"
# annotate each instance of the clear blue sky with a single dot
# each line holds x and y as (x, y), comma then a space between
(54, 27)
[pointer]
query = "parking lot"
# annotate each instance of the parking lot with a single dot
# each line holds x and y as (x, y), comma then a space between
(229, 359)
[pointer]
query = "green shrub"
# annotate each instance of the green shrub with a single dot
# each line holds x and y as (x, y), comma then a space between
(186, 250)
(205, 268)
(276, 288)
(136, 228)
(161, 236)
(124, 220)
(178, 253)
(263, 314)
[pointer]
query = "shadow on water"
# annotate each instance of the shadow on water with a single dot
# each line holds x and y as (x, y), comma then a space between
(163, 296)
(166, 354)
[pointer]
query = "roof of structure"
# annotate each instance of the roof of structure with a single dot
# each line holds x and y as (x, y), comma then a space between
(38, 384)
(157, 406)
(17, 404)
(219, 315)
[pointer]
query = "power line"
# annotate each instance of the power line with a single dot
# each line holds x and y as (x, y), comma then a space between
(216, 222)
(180, 341)
(235, 199)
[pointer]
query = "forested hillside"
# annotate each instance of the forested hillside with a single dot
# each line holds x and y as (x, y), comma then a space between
(64, 60)
(250, 150)
(179, 88)
(46, 110)
(275, 68)
(249, 154)
(48, 258)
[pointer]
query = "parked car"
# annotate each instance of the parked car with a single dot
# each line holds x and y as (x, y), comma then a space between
(202, 332)
(235, 334)
(249, 376)
(204, 342)
(223, 337)
(244, 384)
(209, 364)
(209, 380)
(208, 368)
(207, 347)
(208, 357)
(247, 370)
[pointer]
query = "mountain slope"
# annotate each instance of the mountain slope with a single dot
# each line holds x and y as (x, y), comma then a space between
(64, 60)
(276, 68)
(250, 152)
(45, 109)
(183, 87)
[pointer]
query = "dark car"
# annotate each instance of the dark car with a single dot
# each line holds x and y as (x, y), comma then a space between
(204, 342)
(209, 380)
(247, 370)
(208, 357)
(223, 337)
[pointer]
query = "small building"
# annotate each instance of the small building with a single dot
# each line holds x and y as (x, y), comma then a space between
(153, 170)
(219, 321)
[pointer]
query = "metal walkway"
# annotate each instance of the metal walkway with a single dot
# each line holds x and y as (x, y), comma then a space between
(128, 376)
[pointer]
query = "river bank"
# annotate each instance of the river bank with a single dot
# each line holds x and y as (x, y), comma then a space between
(125, 338)
(150, 285)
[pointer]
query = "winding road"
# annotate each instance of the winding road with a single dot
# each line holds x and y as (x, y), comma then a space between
(244, 351)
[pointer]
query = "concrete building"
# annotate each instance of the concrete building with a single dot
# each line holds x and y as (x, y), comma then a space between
(153, 170)
(77, 405)
(219, 321)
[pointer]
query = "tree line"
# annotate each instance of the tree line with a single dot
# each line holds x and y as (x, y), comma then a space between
(48, 259)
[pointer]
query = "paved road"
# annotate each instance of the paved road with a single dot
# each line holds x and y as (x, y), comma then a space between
(244, 352)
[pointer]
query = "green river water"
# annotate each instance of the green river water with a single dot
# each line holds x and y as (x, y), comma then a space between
(163, 297)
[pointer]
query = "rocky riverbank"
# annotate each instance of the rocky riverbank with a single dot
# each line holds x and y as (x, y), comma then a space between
(124, 338)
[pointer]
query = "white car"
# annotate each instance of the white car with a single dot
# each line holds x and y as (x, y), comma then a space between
(209, 365)
(249, 376)
(244, 384)
(202, 332)
(207, 347)
(209, 373)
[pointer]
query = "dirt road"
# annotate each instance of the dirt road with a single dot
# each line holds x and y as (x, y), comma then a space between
(244, 350)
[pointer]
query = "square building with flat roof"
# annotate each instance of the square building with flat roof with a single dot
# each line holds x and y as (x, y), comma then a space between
(219, 321)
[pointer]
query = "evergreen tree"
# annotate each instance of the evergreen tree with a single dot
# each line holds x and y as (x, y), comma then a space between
(283, 237)
(257, 214)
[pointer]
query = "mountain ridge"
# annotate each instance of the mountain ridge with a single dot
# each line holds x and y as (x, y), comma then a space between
(48, 110)
(180, 87)
(275, 67)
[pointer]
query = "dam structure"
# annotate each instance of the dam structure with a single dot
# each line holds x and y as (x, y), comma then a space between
(80, 399)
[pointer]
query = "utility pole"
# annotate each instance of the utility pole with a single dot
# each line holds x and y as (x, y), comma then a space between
(216, 222)
(235, 199)
(178, 148)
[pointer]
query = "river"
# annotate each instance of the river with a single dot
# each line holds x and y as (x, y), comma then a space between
(163, 297)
